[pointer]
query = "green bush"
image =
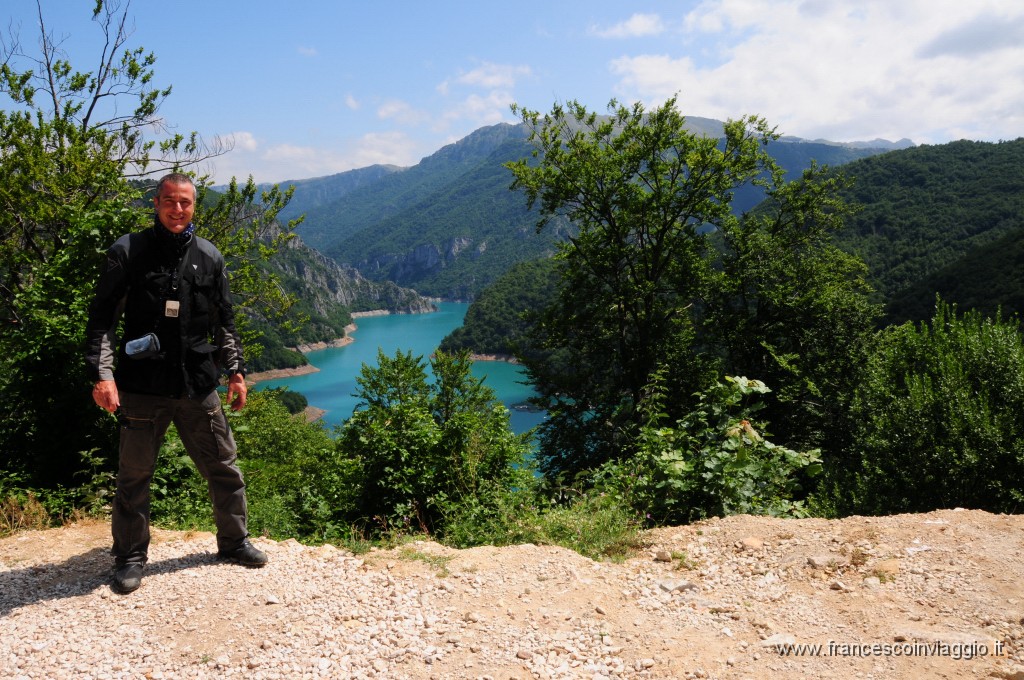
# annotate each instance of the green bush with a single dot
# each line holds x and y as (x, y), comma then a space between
(713, 462)
(278, 453)
(595, 526)
(937, 420)
(178, 494)
(495, 515)
(20, 509)
(418, 447)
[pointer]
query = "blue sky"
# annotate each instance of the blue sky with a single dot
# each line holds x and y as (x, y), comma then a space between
(315, 87)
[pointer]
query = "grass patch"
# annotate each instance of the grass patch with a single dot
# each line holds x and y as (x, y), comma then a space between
(437, 562)
(22, 513)
(683, 561)
(594, 527)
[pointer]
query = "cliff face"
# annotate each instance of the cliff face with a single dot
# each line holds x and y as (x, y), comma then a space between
(325, 285)
(424, 260)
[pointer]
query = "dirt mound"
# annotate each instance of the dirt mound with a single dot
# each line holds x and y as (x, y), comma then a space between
(908, 596)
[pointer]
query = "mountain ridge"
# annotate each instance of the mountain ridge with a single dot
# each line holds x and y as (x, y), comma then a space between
(449, 225)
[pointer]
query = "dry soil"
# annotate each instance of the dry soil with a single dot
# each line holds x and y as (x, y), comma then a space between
(935, 595)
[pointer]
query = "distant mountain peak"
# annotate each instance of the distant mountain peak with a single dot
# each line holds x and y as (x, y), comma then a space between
(876, 143)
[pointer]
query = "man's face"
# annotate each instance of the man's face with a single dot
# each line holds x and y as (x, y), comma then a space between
(175, 205)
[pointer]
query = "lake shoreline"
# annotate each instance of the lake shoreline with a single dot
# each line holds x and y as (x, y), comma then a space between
(506, 358)
(347, 339)
(277, 373)
(330, 382)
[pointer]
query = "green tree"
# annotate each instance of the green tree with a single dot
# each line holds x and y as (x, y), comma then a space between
(70, 143)
(664, 277)
(793, 309)
(423, 447)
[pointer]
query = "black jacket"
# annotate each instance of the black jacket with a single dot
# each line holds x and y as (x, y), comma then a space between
(143, 271)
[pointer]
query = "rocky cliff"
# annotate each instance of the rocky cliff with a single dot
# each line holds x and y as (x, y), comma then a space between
(325, 285)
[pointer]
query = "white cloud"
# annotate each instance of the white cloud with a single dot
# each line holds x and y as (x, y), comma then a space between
(482, 110)
(387, 148)
(487, 107)
(842, 70)
(241, 140)
(637, 26)
(401, 112)
(493, 76)
(284, 162)
(307, 51)
(281, 162)
(352, 103)
(984, 33)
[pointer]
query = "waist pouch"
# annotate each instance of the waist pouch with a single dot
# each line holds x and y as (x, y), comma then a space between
(146, 347)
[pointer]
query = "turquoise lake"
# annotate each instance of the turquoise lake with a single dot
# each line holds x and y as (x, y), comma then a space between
(333, 386)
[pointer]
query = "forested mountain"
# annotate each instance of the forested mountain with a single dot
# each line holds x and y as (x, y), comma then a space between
(495, 321)
(926, 208)
(312, 193)
(331, 222)
(880, 144)
(988, 279)
(458, 239)
(796, 154)
(321, 284)
(449, 226)
(326, 293)
(945, 219)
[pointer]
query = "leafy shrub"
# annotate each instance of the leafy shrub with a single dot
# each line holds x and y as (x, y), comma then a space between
(278, 453)
(595, 526)
(495, 515)
(418, 447)
(20, 509)
(937, 419)
(178, 494)
(713, 462)
(23, 506)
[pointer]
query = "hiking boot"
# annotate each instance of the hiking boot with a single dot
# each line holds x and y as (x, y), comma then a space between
(127, 577)
(246, 554)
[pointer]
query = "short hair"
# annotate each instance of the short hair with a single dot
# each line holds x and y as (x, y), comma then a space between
(175, 178)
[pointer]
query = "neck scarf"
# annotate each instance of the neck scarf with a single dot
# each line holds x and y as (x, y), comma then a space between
(178, 242)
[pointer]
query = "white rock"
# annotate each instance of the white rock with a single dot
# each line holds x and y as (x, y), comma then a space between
(778, 639)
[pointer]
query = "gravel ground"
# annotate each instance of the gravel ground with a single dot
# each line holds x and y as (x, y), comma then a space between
(711, 600)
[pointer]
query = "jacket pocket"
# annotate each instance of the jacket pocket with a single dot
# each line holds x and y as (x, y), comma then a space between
(200, 363)
(203, 296)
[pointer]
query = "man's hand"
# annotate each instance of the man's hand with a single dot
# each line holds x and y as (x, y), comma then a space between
(104, 393)
(237, 391)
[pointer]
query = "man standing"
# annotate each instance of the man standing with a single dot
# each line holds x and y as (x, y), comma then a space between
(178, 337)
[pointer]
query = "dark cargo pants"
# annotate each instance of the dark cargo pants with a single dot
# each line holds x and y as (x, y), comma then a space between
(204, 431)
